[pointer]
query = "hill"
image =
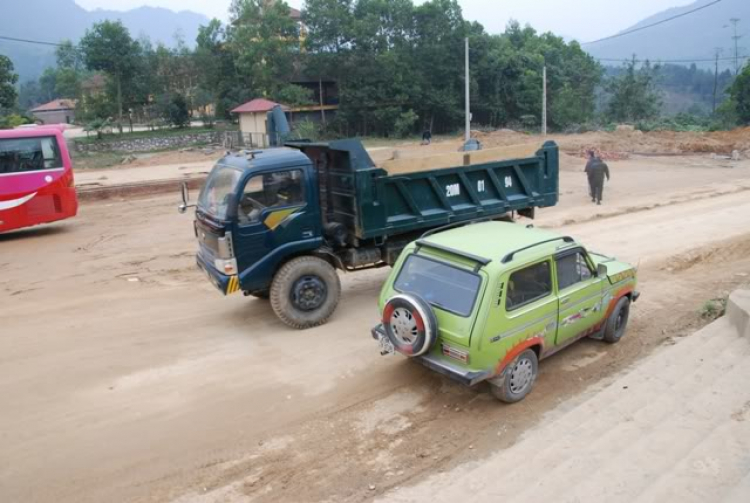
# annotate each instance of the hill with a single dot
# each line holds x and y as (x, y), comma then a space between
(55, 20)
(692, 37)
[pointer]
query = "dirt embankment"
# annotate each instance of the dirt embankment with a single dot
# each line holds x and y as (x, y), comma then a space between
(619, 144)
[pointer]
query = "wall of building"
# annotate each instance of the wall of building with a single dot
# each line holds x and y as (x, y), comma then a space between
(253, 123)
(56, 116)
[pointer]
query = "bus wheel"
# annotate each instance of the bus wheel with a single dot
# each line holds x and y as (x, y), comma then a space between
(305, 292)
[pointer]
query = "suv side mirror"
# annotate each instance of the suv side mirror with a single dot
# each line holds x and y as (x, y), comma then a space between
(185, 192)
(601, 270)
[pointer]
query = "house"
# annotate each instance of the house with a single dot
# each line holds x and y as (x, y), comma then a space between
(62, 111)
(253, 116)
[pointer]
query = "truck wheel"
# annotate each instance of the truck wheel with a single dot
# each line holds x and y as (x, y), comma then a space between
(410, 324)
(517, 379)
(618, 321)
(305, 292)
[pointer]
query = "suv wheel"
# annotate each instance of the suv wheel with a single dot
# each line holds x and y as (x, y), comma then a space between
(618, 321)
(517, 379)
(410, 324)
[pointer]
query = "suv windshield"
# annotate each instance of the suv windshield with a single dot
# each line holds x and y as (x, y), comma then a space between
(218, 191)
(444, 286)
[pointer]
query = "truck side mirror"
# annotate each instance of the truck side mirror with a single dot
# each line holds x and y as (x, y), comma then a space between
(601, 270)
(182, 208)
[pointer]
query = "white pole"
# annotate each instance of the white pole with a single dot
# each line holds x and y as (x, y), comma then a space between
(544, 102)
(467, 135)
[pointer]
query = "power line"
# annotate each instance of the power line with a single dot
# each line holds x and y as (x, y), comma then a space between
(617, 35)
(26, 41)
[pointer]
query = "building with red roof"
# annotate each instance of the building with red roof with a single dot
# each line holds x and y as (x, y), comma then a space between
(253, 115)
(62, 111)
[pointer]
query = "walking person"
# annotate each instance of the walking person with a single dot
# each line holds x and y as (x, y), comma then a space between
(426, 137)
(596, 170)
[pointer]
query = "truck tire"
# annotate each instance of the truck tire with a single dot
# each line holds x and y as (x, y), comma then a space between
(517, 379)
(617, 321)
(305, 292)
(410, 324)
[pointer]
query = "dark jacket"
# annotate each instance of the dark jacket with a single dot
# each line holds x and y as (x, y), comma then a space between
(596, 169)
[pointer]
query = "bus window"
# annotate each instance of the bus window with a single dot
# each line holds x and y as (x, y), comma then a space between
(20, 155)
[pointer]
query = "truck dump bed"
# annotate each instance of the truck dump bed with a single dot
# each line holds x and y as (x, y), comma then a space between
(404, 195)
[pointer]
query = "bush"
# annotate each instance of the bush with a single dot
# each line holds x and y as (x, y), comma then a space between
(305, 130)
(13, 121)
(404, 124)
(177, 113)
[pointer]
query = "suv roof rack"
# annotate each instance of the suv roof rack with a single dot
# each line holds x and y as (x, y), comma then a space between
(512, 254)
(480, 261)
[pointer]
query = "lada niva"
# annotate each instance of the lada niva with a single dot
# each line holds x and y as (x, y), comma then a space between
(488, 301)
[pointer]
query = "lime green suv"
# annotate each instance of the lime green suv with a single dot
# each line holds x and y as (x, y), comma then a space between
(486, 302)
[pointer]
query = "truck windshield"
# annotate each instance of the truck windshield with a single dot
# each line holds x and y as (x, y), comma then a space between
(442, 285)
(217, 193)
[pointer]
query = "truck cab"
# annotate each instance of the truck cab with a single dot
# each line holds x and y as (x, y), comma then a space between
(254, 210)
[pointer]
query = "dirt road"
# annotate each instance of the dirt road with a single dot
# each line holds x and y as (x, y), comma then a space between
(125, 376)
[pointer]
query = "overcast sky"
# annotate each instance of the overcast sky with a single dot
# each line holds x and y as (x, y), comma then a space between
(581, 19)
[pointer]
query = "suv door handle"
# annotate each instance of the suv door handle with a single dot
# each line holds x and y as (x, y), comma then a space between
(565, 301)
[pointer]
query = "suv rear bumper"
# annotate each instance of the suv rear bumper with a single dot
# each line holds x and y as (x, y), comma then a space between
(454, 372)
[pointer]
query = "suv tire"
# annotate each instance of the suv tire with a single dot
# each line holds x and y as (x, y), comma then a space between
(410, 324)
(517, 379)
(305, 292)
(617, 321)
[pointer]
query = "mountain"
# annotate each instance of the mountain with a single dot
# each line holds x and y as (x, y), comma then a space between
(55, 20)
(695, 36)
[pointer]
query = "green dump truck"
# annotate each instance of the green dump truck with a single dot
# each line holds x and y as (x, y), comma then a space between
(277, 223)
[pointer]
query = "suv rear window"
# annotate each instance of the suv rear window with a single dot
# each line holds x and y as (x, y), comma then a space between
(527, 285)
(442, 285)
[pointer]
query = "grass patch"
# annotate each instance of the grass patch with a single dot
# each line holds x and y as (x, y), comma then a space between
(713, 309)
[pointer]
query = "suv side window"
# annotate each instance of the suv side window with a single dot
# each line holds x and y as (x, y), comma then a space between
(527, 285)
(271, 190)
(572, 269)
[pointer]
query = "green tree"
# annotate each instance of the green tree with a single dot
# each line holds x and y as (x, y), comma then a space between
(294, 96)
(264, 39)
(740, 93)
(177, 113)
(8, 79)
(108, 47)
(29, 95)
(633, 96)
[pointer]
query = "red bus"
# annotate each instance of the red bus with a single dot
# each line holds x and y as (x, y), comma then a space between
(36, 177)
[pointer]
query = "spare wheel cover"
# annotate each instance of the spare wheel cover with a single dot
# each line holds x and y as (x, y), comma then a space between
(410, 324)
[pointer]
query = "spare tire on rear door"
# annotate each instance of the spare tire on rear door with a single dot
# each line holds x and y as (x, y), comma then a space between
(410, 324)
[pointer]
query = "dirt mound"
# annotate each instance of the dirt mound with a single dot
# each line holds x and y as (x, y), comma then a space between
(623, 142)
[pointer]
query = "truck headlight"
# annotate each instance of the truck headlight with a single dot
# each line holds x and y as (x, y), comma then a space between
(226, 266)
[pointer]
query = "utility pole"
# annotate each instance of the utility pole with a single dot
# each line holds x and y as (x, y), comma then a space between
(735, 21)
(467, 135)
(716, 77)
(320, 93)
(544, 101)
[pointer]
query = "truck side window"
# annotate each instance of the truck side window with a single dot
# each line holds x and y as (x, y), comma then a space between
(271, 190)
(527, 285)
(572, 269)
